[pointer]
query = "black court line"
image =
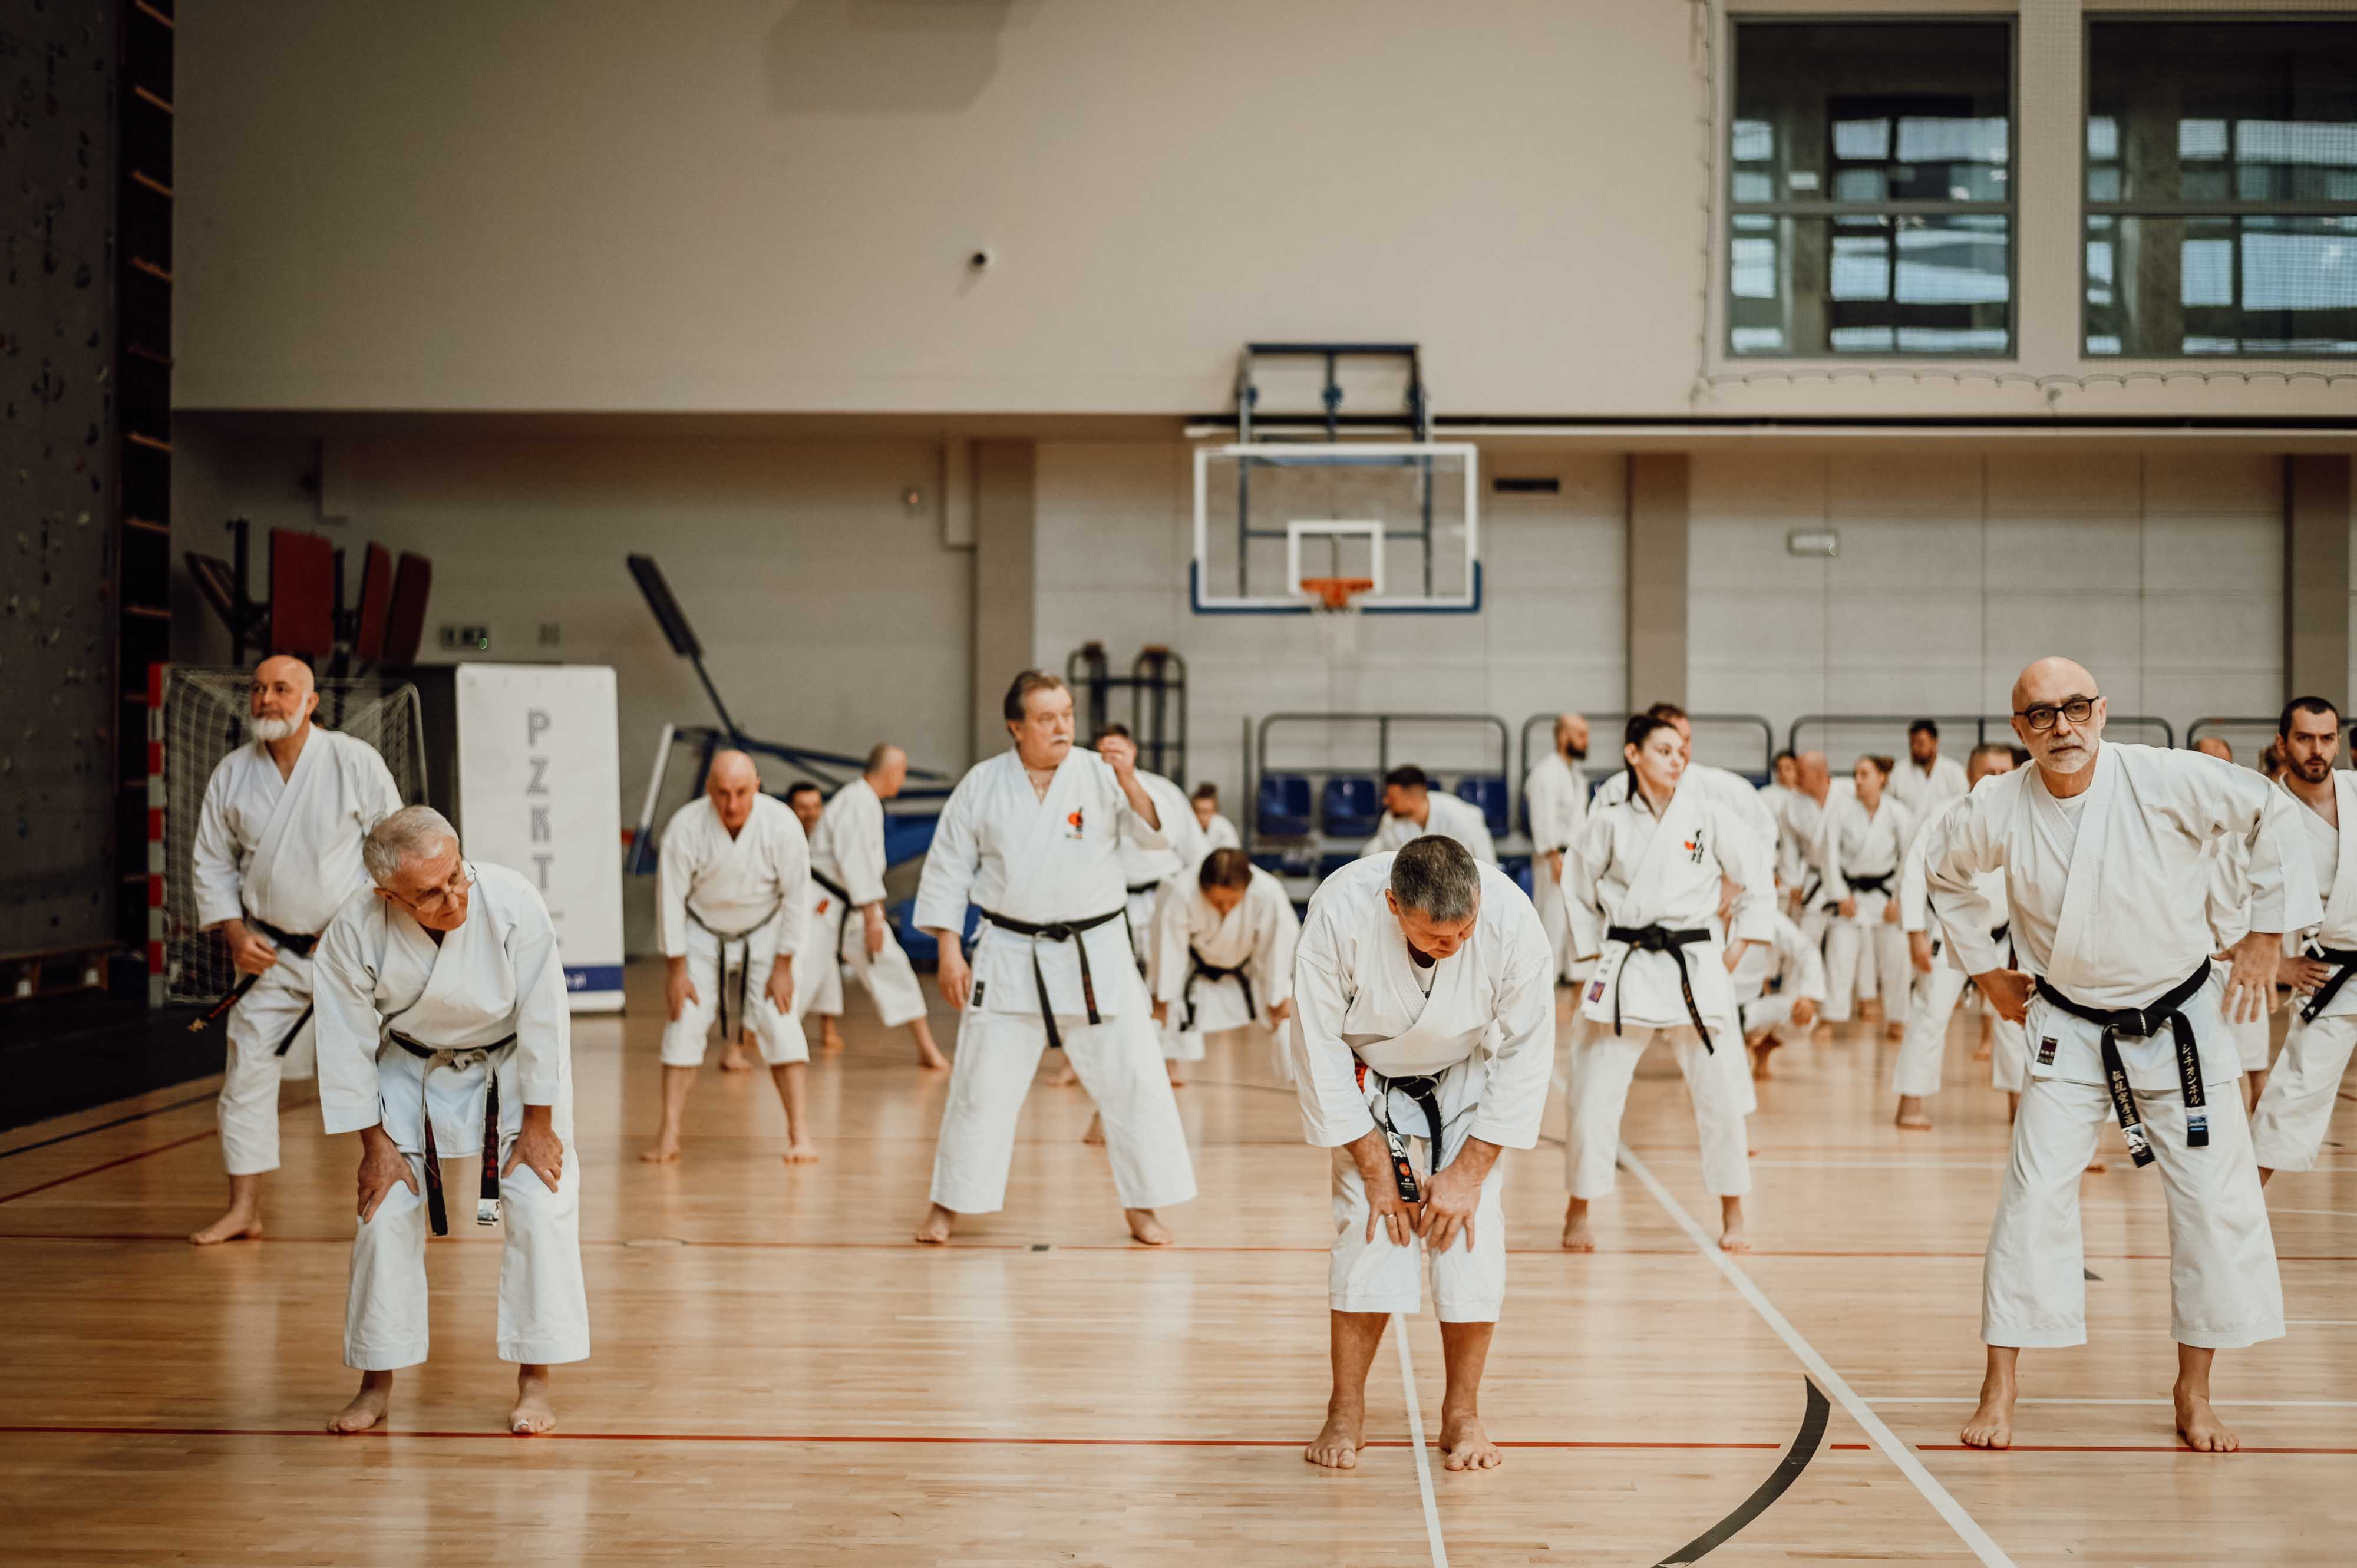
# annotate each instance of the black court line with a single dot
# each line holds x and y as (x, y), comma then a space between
(1805, 1444)
(118, 1121)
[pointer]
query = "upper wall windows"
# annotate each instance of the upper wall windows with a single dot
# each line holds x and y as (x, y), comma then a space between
(2221, 188)
(1870, 197)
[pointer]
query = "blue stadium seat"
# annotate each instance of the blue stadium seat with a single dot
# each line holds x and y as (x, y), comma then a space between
(1353, 806)
(1283, 805)
(1487, 790)
(1333, 861)
(1517, 866)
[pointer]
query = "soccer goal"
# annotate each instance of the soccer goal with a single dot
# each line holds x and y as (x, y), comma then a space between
(197, 715)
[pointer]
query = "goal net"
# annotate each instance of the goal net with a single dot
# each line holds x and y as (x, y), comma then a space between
(204, 718)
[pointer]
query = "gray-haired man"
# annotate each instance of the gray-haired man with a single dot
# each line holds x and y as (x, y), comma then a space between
(444, 1034)
(1424, 1015)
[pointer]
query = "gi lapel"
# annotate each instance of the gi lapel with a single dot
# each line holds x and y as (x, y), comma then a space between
(313, 771)
(1676, 839)
(2074, 929)
(1041, 854)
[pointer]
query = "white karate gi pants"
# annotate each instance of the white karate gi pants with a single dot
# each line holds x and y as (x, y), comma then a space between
(1219, 1004)
(1916, 1072)
(2009, 1056)
(2224, 1293)
(1555, 916)
(2297, 1108)
(889, 978)
(1603, 1064)
(1468, 1281)
(248, 1111)
(1119, 1063)
(544, 1311)
(780, 1036)
(1865, 957)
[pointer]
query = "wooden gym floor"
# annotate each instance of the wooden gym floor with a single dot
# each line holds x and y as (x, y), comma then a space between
(782, 1377)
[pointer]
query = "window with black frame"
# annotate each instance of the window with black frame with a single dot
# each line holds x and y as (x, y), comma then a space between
(2221, 188)
(1870, 188)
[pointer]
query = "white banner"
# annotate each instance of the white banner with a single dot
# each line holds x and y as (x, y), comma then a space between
(540, 790)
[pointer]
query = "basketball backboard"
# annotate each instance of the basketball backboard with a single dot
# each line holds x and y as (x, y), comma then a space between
(1404, 515)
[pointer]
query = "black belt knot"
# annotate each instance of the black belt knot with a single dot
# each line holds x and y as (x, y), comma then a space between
(1196, 966)
(1877, 884)
(300, 943)
(486, 1203)
(744, 970)
(1060, 931)
(1673, 941)
(2344, 961)
(2143, 1023)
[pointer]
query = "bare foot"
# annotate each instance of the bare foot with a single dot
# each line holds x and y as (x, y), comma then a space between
(1175, 1081)
(1096, 1134)
(1731, 1238)
(531, 1414)
(736, 1060)
(1991, 1425)
(1762, 1055)
(1981, 1052)
(1465, 1447)
(1912, 1117)
(665, 1152)
(935, 1230)
(928, 1056)
(238, 1224)
(2097, 1165)
(830, 1039)
(1336, 1446)
(1147, 1228)
(2200, 1427)
(802, 1152)
(368, 1407)
(1870, 1010)
(1577, 1236)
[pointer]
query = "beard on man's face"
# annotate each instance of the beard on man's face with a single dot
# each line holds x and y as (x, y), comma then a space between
(275, 728)
(1574, 750)
(2314, 770)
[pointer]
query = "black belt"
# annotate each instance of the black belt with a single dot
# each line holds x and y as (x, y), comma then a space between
(1880, 884)
(2345, 964)
(2143, 1023)
(1423, 1089)
(1136, 953)
(1060, 931)
(842, 896)
(744, 970)
(299, 943)
(1660, 939)
(487, 1205)
(1196, 966)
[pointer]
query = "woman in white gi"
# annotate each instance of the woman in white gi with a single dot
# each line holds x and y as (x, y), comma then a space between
(1865, 836)
(1222, 956)
(1643, 886)
(2296, 1105)
(2102, 848)
(1915, 1075)
(1033, 837)
(848, 924)
(444, 1035)
(277, 852)
(1424, 1025)
(731, 893)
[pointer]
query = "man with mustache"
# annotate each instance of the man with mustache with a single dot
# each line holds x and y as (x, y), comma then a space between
(277, 852)
(2104, 854)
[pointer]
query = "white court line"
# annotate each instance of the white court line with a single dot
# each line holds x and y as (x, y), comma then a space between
(2343, 1213)
(1967, 1527)
(1416, 1436)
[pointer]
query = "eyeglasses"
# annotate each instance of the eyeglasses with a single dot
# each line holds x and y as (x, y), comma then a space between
(2041, 716)
(434, 900)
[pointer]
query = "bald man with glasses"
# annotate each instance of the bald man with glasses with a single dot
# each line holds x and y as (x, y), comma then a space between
(2103, 851)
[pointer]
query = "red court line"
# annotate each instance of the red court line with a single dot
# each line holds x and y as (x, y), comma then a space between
(126, 1159)
(2112, 1448)
(842, 1438)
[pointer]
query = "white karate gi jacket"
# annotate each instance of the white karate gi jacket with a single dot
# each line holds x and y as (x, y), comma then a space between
(1557, 792)
(1919, 791)
(289, 851)
(1448, 816)
(1258, 935)
(757, 881)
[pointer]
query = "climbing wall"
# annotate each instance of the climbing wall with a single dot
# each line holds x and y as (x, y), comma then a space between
(59, 715)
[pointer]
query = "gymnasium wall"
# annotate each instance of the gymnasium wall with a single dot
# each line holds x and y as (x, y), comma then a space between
(2163, 575)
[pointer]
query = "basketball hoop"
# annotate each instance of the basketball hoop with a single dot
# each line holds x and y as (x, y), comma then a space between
(1334, 606)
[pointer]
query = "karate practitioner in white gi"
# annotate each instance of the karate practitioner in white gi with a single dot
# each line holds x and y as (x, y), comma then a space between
(1644, 884)
(1221, 956)
(1784, 1016)
(848, 879)
(445, 1037)
(2229, 919)
(1915, 1075)
(1218, 832)
(732, 892)
(277, 852)
(1556, 795)
(1423, 1041)
(1729, 789)
(1413, 808)
(1864, 838)
(1033, 837)
(2296, 1105)
(1800, 839)
(1926, 779)
(1784, 783)
(2103, 849)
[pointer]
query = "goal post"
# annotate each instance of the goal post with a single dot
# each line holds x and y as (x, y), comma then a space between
(197, 715)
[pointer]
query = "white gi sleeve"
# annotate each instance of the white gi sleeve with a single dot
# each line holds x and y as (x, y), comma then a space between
(1484, 849)
(951, 862)
(1745, 861)
(1272, 955)
(674, 871)
(1833, 889)
(346, 1027)
(1522, 1067)
(1914, 888)
(214, 854)
(543, 1018)
(791, 864)
(1804, 967)
(2213, 798)
(1166, 944)
(380, 797)
(1128, 824)
(1333, 1111)
(860, 857)
(1583, 866)
(1958, 845)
